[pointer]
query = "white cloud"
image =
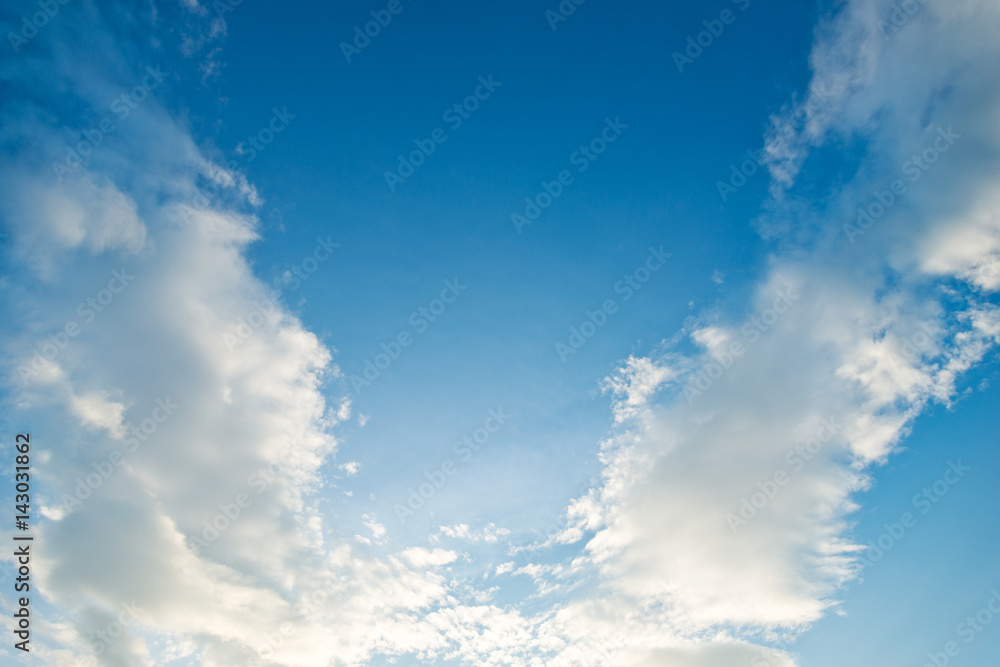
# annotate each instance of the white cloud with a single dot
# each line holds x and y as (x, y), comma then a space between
(209, 521)
(490, 534)
(857, 350)
(86, 211)
(95, 411)
(634, 383)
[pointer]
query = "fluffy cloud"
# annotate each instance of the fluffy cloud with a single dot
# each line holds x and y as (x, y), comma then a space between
(169, 439)
(728, 489)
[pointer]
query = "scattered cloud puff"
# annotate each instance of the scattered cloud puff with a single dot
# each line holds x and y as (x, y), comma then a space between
(634, 383)
(490, 534)
(97, 412)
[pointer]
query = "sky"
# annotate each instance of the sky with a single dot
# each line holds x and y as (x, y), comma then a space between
(517, 334)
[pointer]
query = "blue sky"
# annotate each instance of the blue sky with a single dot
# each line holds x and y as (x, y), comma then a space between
(486, 496)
